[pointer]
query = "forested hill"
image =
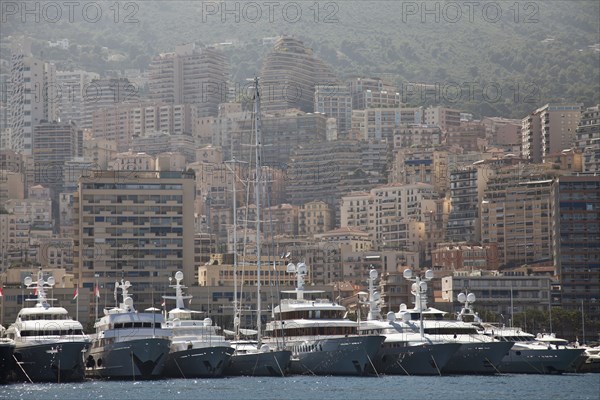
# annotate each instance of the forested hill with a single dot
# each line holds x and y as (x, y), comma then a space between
(534, 52)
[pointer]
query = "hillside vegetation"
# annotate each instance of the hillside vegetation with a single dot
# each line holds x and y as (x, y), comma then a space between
(542, 52)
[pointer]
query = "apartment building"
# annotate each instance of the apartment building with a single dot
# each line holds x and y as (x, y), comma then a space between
(549, 130)
(138, 227)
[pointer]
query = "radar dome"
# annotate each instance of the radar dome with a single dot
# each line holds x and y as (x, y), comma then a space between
(373, 274)
(391, 316)
(407, 273)
(51, 281)
(302, 269)
(207, 322)
(265, 348)
(423, 286)
(376, 296)
(461, 297)
(406, 317)
(429, 274)
(179, 275)
(291, 268)
(27, 281)
(470, 297)
(128, 301)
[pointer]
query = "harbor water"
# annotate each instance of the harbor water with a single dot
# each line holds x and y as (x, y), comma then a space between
(499, 387)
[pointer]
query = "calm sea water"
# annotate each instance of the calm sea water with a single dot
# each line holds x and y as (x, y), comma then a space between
(509, 387)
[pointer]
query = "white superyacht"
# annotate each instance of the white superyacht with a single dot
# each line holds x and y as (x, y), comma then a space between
(49, 344)
(404, 352)
(128, 344)
(197, 348)
(322, 340)
(478, 353)
(530, 354)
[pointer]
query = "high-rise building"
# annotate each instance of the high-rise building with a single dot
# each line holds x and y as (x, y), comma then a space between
(516, 213)
(445, 118)
(281, 134)
(588, 138)
(381, 123)
(466, 188)
(391, 214)
(32, 98)
(335, 101)
(326, 171)
(106, 93)
(73, 86)
(138, 227)
(56, 142)
(190, 75)
(549, 130)
(289, 76)
(373, 93)
(576, 231)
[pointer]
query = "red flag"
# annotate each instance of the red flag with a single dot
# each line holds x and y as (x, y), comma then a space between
(35, 291)
(76, 293)
(97, 291)
(1, 294)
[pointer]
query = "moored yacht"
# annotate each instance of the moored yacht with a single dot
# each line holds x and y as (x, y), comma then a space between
(478, 353)
(255, 358)
(591, 362)
(49, 345)
(128, 344)
(403, 352)
(530, 354)
(197, 348)
(322, 340)
(7, 348)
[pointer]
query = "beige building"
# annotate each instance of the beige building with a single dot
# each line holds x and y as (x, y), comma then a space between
(289, 75)
(392, 214)
(138, 228)
(382, 123)
(588, 138)
(502, 131)
(315, 217)
(417, 135)
(100, 152)
(222, 274)
(446, 118)
(549, 130)
(190, 75)
(516, 213)
(335, 101)
(133, 161)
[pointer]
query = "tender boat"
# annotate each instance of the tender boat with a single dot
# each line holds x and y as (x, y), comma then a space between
(530, 354)
(49, 345)
(197, 348)
(322, 340)
(128, 344)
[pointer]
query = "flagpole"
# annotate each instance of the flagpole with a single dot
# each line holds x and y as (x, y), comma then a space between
(77, 302)
(96, 295)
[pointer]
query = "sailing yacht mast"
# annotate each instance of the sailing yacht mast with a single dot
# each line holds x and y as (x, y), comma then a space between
(257, 193)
